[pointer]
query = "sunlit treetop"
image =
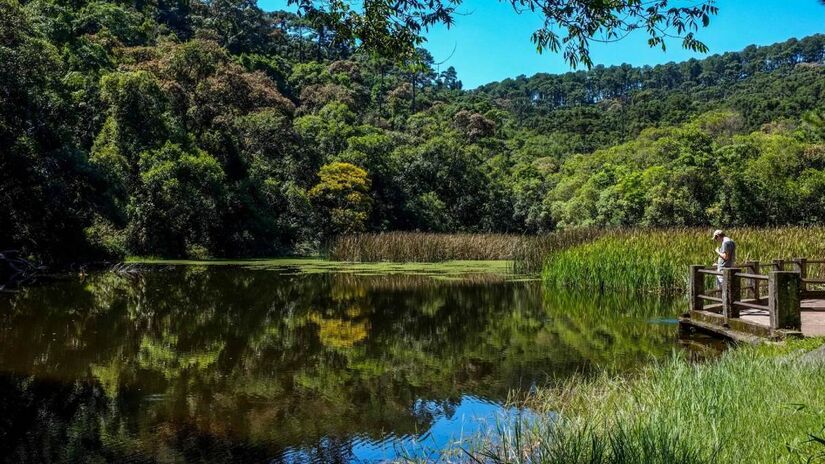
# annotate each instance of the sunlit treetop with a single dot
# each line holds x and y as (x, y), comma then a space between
(393, 28)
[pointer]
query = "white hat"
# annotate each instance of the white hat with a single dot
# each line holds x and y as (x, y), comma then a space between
(717, 233)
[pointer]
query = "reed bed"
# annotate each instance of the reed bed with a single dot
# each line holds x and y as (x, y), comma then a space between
(532, 252)
(528, 252)
(420, 247)
(407, 282)
(754, 404)
(657, 260)
(646, 260)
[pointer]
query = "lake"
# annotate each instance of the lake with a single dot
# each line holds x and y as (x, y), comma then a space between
(296, 360)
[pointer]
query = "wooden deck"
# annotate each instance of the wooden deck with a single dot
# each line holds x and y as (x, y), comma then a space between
(750, 305)
(753, 325)
(813, 317)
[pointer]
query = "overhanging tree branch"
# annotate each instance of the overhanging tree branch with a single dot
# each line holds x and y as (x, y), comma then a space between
(394, 28)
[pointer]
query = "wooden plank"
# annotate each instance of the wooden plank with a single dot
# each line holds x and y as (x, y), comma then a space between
(752, 305)
(756, 269)
(753, 276)
(813, 322)
(813, 295)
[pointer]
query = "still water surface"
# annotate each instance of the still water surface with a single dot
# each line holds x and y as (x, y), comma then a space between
(292, 363)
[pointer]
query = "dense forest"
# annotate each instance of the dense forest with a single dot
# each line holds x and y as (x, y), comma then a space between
(190, 128)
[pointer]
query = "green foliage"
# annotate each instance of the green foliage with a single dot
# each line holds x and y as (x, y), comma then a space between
(571, 442)
(700, 173)
(89, 88)
(609, 105)
(135, 123)
(124, 24)
(105, 236)
(176, 208)
(46, 187)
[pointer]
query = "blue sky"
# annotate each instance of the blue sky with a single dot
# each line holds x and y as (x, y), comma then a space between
(490, 42)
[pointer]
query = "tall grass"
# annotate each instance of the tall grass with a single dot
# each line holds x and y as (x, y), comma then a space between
(606, 259)
(656, 260)
(747, 406)
(574, 442)
(424, 247)
(527, 251)
(531, 252)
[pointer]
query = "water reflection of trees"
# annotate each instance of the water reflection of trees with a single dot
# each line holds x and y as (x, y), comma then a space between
(242, 362)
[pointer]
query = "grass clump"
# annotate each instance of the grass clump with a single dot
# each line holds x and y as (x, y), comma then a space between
(657, 260)
(752, 405)
(420, 247)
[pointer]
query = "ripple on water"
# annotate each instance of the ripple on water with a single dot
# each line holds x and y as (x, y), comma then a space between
(450, 430)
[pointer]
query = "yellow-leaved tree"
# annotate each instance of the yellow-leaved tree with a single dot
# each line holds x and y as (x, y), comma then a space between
(342, 199)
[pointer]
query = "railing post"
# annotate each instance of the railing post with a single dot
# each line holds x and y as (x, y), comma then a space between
(753, 268)
(783, 299)
(779, 265)
(731, 291)
(801, 265)
(756, 269)
(696, 287)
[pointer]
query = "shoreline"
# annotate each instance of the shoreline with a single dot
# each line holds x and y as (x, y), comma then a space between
(759, 404)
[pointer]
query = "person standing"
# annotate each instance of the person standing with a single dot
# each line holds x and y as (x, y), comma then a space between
(726, 253)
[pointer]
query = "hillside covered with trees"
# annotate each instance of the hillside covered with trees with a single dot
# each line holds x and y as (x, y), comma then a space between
(197, 129)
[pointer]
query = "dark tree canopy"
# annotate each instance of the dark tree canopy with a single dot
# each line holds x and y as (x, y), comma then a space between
(394, 28)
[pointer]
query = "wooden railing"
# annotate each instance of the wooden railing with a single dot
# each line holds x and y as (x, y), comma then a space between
(778, 292)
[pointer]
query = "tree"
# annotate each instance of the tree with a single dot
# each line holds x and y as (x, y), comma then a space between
(46, 184)
(396, 28)
(449, 79)
(136, 122)
(474, 125)
(374, 152)
(239, 24)
(342, 198)
(176, 210)
(444, 174)
(815, 123)
(419, 72)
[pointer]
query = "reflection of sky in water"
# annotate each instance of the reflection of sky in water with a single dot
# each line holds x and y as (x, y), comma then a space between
(472, 417)
(663, 321)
